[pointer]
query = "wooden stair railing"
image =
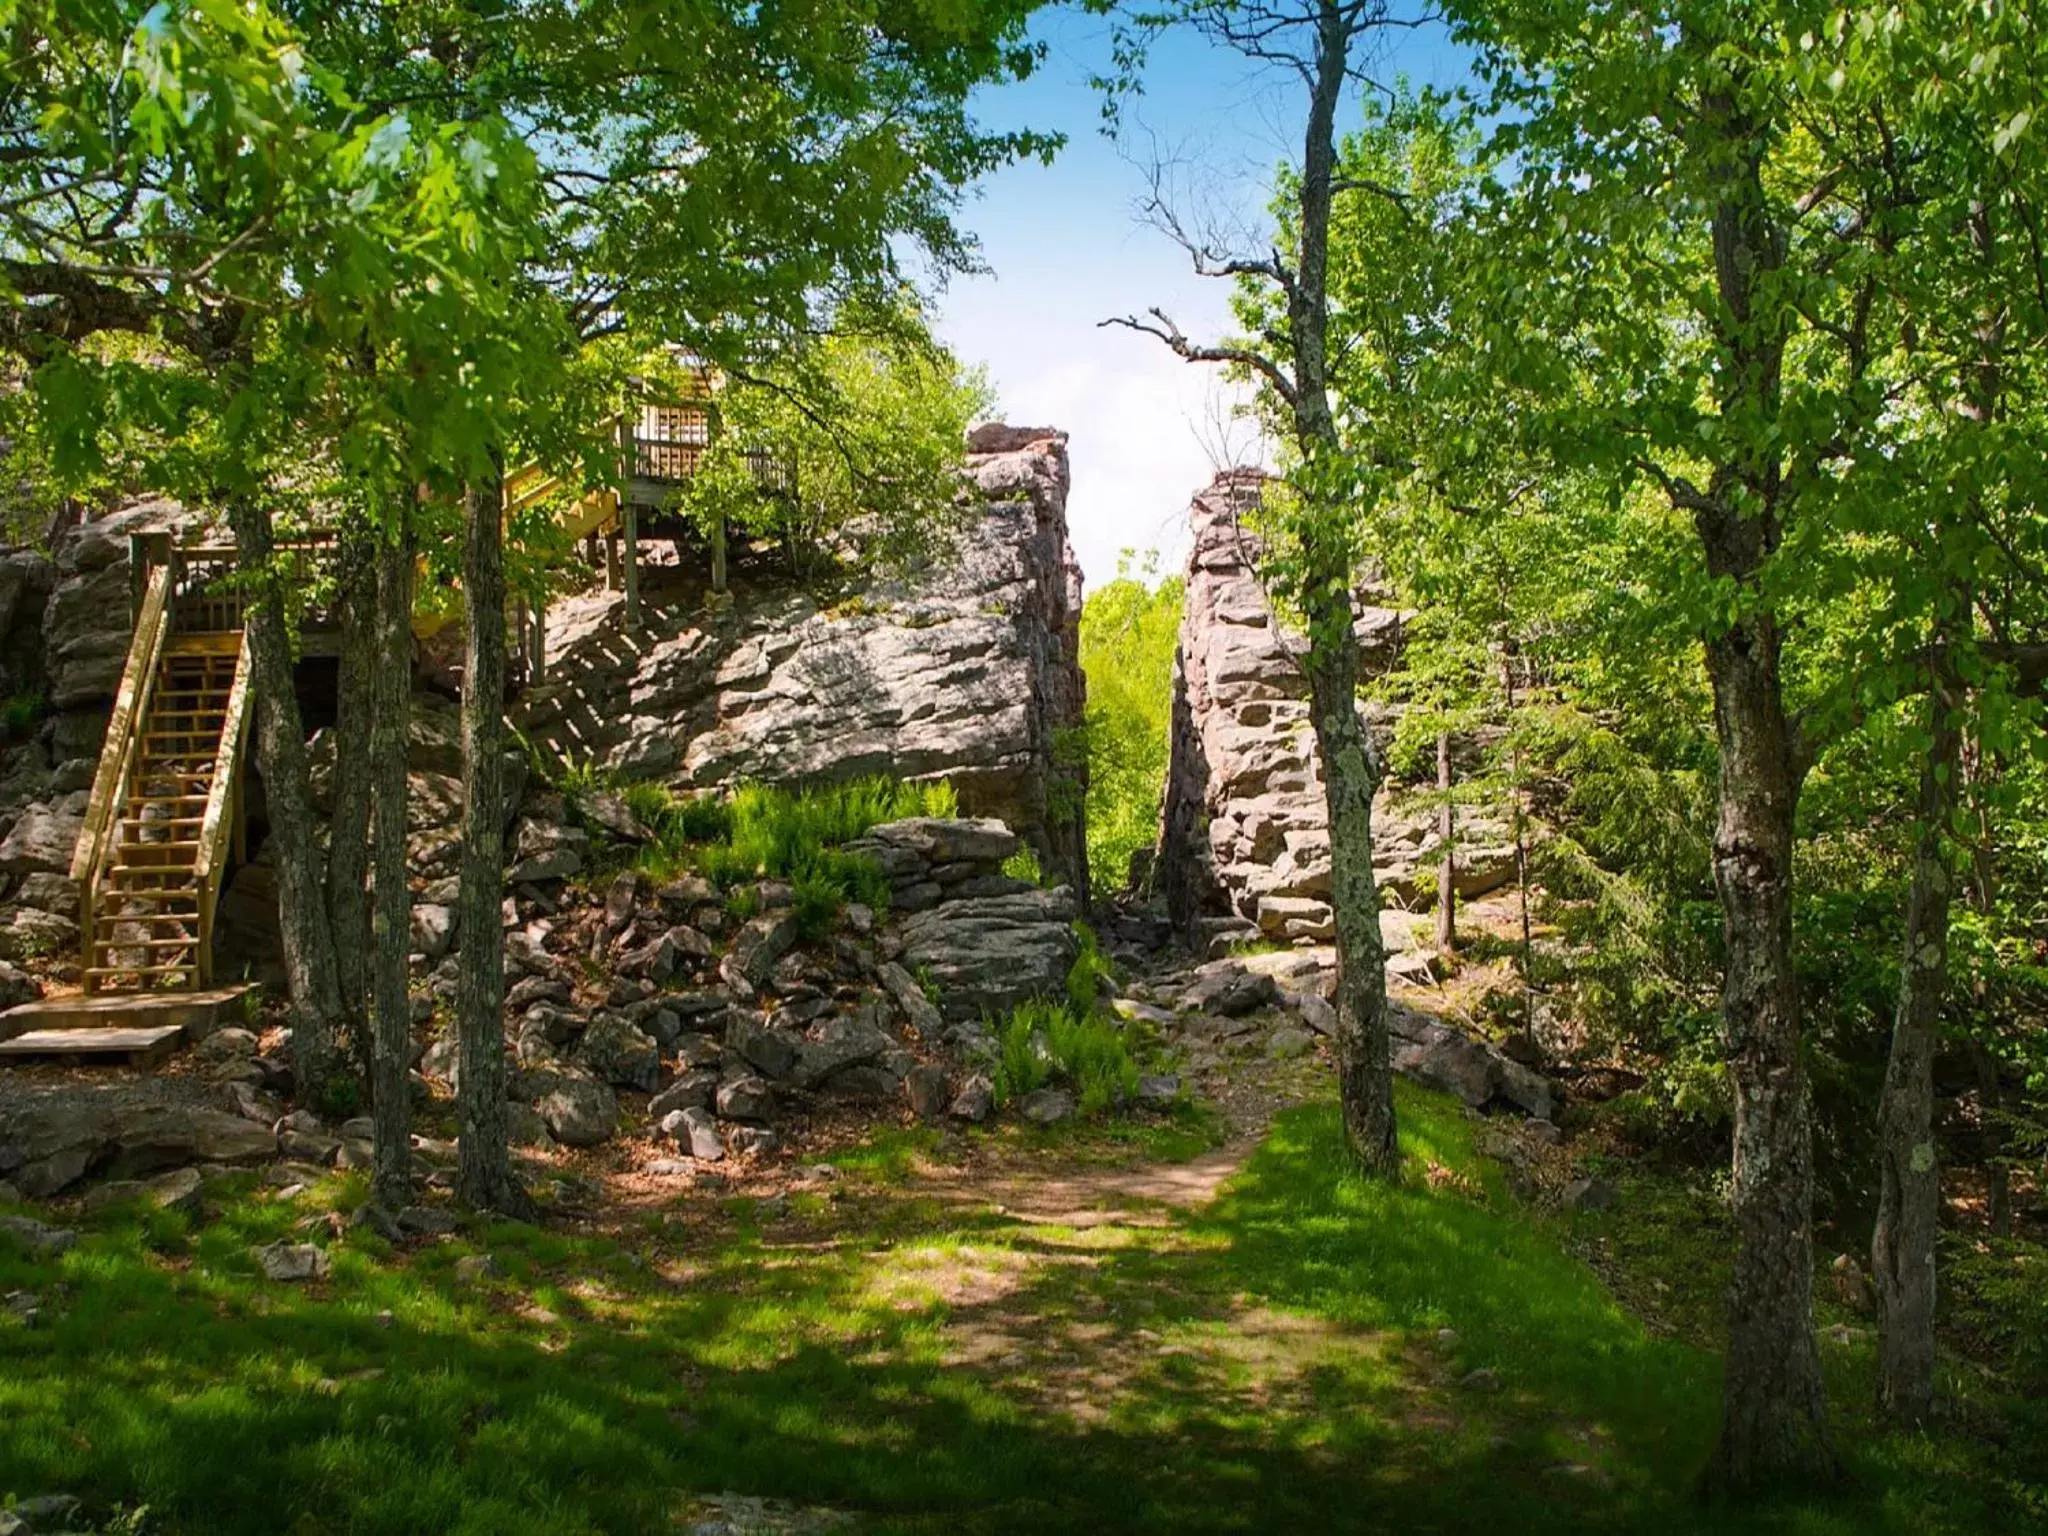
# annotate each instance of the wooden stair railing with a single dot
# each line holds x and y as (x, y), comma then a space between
(132, 703)
(166, 798)
(222, 818)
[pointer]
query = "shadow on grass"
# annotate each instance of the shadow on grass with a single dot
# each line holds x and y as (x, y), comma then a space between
(1269, 1362)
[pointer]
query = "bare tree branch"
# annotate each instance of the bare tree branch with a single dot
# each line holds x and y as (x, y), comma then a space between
(1163, 328)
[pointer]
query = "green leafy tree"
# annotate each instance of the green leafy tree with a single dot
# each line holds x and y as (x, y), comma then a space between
(1130, 633)
(1715, 275)
(847, 453)
(1317, 526)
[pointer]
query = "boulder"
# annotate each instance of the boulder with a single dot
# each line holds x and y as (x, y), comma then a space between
(773, 1053)
(525, 1126)
(528, 990)
(17, 986)
(760, 942)
(44, 838)
(745, 1098)
(1047, 1106)
(1471, 1070)
(988, 954)
(754, 1140)
(433, 929)
(975, 1100)
(921, 1013)
(1288, 1042)
(1227, 990)
(693, 1090)
(696, 1133)
(840, 1043)
(579, 1111)
(49, 891)
(966, 672)
(292, 1263)
(653, 961)
(178, 1190)
(38, 1237)
(547, 850)
(1158, 1091)
(938, 841)
(30, 933)
(928, 1091)
(614, 1050)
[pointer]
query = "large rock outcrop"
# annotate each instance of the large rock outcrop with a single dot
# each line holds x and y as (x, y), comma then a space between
(1244, 843)
(966, 671)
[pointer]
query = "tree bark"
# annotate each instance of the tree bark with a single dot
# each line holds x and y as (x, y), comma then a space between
(1350, 761)
(1447, 862)
(1521, 832)
(484, 1177)
(308, 940)
(1351, 776)
(391, 918)
(1909, 1199)
(1774, 1408)
(348, 832)
(1774, 1423)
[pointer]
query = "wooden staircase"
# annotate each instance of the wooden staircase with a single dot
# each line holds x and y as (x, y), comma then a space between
(166, 800)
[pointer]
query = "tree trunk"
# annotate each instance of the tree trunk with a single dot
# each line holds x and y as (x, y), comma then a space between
(484, 1178)
(391, 919)
(348, 832)
(1351, 765)
(1774, 1404)
(1909, 1200)
(1521, 831)
(1447, 863)
(1774, 1424)
(1351, 776)
(308, 941)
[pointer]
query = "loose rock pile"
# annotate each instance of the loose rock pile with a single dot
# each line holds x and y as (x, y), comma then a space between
(1279, 1002)
(727, 1026)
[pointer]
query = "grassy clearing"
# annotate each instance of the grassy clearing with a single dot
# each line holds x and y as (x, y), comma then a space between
(1269, 1361)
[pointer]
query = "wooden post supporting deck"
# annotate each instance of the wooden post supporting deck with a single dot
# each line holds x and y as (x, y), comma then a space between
(630, 516)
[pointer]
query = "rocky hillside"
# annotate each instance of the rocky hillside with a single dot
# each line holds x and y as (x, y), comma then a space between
(1244, 846)
(649, 1009)
(966, 671)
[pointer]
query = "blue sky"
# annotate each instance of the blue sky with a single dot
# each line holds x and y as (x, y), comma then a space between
(1068, 248)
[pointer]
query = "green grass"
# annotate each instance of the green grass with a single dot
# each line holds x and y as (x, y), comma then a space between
(1267, 1362)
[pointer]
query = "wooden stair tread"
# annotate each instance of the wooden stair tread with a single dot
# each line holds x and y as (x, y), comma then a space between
(113, 1040)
